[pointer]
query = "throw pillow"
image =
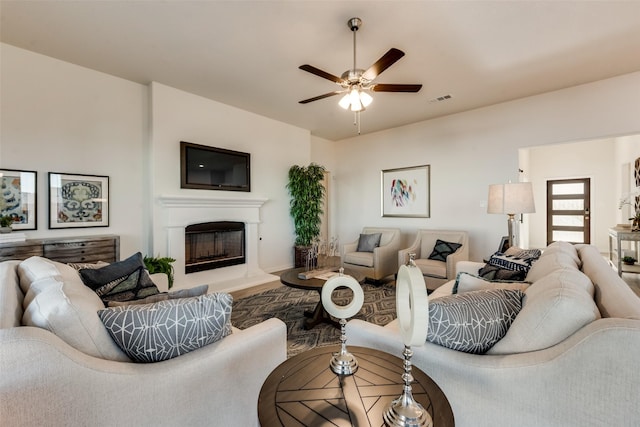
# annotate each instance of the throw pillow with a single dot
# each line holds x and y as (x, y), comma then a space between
(466, 282)
(511, 262)
(368, 242)
(443, 249)
(121, 281)
(474, 321)
(166, 329)
(491, 272)
(80, 265)
(163, 296)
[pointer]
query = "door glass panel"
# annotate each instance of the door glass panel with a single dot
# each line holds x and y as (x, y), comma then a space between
(569, 236)
(568, 220)
(568, 205)
(573, 188)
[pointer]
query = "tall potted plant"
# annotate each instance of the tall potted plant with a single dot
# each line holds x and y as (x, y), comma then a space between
(307, 198)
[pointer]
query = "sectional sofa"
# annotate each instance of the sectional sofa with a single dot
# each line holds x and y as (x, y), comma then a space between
(70, 372)
(571, 357)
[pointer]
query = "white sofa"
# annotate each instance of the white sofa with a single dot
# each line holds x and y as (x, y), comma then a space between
(46, 380)
(570, 358)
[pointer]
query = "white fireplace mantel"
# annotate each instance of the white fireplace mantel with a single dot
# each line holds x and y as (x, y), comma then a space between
(180, 211)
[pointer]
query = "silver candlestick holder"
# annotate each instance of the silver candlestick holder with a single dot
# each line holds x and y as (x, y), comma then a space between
(412, 305)
(343, 362)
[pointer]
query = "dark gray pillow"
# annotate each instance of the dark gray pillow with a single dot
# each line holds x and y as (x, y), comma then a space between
(443, 249)
(473, 321)
(166, 329)
(163, 296)
(368, 242)
(120, 281)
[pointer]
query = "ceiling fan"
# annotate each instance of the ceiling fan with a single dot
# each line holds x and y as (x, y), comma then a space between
(356, 83)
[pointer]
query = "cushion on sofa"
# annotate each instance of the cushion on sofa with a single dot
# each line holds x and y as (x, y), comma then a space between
(443, 249)
(565, 248)
(359, 258)
(548, 263)
(368, 242)
(120, 281)
(474, 321)
(80, 265)
(491, 272)
(163, 296)
(70, 310)
(511, 262)
(166, 329)
(35, 268)
(554, 308)
(466, 282)
(432, 268)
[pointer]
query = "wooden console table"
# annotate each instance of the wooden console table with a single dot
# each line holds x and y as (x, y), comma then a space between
(66, 249)
(616, 236)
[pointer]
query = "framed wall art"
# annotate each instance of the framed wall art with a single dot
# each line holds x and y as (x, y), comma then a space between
(18, 198)
(77, 201)
(405, 192)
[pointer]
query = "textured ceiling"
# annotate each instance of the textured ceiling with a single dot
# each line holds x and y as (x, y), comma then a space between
(246, 53)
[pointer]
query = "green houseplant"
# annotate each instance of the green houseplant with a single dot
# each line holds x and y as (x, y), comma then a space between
(307, 199)
(160, 265)
(5, 223)
(629, 260)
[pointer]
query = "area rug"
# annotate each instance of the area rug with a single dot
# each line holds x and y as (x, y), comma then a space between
(289, 304)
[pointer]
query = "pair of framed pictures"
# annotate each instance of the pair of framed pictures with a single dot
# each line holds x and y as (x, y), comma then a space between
(75, 201)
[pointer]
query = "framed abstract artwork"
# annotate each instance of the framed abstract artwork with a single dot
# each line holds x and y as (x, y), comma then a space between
(405, 192)
(77, 201)
(18, 198)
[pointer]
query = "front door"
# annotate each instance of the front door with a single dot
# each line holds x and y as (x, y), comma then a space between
(568, 210)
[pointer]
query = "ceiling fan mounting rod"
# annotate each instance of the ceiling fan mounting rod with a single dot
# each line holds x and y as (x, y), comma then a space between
(354, 24)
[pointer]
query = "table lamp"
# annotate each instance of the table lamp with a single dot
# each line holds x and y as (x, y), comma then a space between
(511, 199)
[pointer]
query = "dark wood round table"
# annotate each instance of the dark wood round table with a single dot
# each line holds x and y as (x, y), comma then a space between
(319, 314)
(304, 391)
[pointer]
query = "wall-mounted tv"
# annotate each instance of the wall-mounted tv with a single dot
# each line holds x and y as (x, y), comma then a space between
(209, 168)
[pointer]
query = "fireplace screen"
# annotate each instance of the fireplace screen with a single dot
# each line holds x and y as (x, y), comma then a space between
(214, 245)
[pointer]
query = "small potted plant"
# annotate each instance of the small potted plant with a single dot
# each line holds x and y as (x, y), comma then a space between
(160, 265)
(5, 223)
(628, 260)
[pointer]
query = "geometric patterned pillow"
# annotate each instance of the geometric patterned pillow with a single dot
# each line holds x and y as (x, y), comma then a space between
(510, 262)
(473, 321)
(491, 272)
(121, 281)
(167, 329)
(443, 249)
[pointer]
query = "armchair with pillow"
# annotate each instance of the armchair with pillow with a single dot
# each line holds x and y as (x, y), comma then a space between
(374, 254)
(437, 252)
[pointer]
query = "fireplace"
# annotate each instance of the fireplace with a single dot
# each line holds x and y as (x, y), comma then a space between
(212, 245)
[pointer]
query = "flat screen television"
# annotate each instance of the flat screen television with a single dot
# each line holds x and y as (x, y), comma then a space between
(209, 168)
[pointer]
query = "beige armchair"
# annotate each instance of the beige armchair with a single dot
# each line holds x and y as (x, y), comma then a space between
(381, 262)
(436, 272)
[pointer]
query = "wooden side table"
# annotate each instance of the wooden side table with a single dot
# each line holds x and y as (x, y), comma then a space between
(303, 391)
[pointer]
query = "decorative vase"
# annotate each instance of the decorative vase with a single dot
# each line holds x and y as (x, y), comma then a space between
(5, 230)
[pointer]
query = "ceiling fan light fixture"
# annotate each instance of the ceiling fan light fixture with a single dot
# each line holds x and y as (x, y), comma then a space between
(354, 99)
(345, 102)
(365, 98)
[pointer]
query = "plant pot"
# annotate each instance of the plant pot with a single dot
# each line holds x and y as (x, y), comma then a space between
(300, 256)
(5, 230)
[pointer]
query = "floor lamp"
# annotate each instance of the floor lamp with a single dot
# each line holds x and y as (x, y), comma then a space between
(511, 199)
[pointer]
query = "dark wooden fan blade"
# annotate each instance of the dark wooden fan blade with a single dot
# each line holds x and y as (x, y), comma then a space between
(382, 87)
(315, 98)
(387, 60)
(318, 72)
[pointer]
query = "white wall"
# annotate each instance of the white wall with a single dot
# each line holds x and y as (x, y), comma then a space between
(589, 159)
(274, 147)
(58, 117)
(627, 150)
(469, 151)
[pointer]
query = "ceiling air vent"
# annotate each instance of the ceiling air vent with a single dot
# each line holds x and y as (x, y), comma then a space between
(442, 98)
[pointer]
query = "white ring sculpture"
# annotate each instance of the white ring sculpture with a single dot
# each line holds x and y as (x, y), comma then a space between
(342, 311)
(412, 305)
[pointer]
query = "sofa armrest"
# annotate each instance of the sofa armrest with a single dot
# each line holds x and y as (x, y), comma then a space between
(385, 258)
(453, 260)
(471, 267)
(403, 254)
(44, 380)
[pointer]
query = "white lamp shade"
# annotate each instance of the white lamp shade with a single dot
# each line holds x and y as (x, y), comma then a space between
(511, 198)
